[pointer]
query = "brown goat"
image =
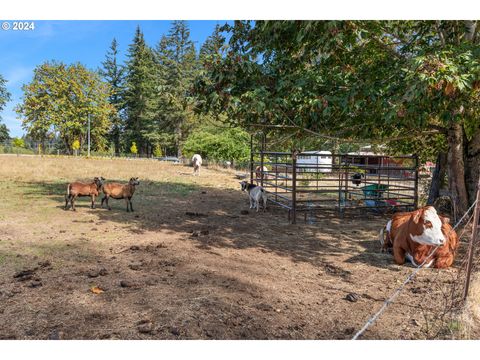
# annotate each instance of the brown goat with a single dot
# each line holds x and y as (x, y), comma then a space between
(119, 191)
(77, 189)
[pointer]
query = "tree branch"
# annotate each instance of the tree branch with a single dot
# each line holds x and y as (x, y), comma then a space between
(438, 128)
(441, 35)
(470, 30)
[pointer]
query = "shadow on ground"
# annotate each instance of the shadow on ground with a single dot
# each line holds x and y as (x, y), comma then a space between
(212, 218)
(208, 290)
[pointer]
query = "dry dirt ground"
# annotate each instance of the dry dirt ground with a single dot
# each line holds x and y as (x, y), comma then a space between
(169, 275)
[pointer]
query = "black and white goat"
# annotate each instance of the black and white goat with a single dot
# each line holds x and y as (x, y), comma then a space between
(255, 194)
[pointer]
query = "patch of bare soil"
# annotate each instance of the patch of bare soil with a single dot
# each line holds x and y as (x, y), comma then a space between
(198, 266)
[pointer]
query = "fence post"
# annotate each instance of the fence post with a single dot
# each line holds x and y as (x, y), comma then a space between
(345, 194)
(340, 185)
(251, 159)
(262, 157)
(294, 187)
(388, 177)
(276, 177)
(415, 201)
(471, 247)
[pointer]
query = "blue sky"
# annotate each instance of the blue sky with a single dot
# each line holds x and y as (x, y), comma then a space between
(72, 41)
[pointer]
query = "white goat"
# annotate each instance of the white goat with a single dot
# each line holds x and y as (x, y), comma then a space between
(255, 194)
(197, 163)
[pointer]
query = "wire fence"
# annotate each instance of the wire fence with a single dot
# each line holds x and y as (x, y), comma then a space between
(52, 149)
(30, 147)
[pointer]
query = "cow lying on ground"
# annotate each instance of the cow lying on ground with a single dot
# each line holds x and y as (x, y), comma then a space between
(255, 194)
(120, 191)
(77, 189)
(414, 236)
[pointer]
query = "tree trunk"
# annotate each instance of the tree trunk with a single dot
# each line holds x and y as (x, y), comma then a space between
(178, 136)
(456, 169)
(116, 140)
(68, 147)
(470, 27)
(472, 168)
(438, 178)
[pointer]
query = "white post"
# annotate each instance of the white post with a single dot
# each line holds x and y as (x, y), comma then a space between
(88, 135)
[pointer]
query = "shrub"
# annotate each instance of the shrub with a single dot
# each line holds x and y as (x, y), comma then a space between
(157, 151)
(18, 142)
(76, 146)
(231, 144)
(133, 148)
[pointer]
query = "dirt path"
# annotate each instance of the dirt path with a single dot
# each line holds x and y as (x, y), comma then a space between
(169, 275)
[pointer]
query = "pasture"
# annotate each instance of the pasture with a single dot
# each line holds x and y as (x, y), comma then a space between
(218, 274)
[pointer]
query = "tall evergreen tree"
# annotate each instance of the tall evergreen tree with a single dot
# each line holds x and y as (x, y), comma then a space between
(140, 93)
(213, 44)
(159, 131)
(177, 69)
(114, 74)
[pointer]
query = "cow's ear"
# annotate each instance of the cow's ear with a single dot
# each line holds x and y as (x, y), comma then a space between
(445, 220)
(418, 215)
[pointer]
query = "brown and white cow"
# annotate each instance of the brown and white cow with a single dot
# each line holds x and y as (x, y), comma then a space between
(414, 235)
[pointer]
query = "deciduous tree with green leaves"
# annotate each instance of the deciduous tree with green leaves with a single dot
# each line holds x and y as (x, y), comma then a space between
(4, 94)
(376, 80)
(18, 142)
(218, 143)
(4, 98)
(59, 100)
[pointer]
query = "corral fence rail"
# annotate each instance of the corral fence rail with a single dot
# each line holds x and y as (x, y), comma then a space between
(313, 181)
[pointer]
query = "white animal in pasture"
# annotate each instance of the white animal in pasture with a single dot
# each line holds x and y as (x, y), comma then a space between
(197, 164)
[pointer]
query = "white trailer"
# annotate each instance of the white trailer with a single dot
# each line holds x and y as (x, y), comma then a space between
(315, 161)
